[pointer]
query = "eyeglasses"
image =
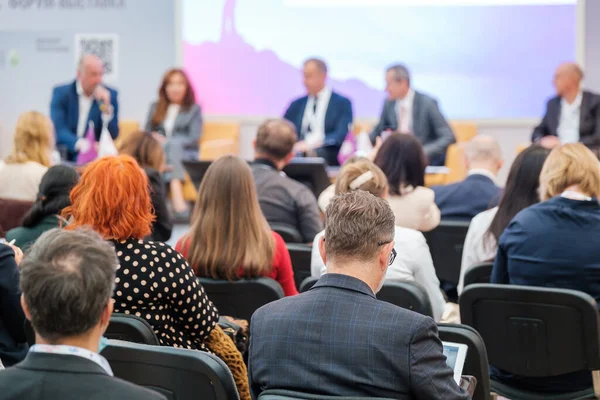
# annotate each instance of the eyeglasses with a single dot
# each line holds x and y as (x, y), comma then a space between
(393, 254)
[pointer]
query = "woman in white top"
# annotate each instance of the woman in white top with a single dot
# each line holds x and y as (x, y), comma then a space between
(21, 172)
(402, 160)
(176, 120)
(521, 191)
(413, 263)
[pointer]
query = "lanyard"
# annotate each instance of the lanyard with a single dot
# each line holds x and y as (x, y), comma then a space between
(73, 351)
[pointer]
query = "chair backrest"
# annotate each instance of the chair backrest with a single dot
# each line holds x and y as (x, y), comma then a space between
(476, 363)
(463, 131)
(407, 295)
(301, 258)
(289, 234)
(130, 328)
(533, 331)
(480, 273)
(446, 246)
(219, 139)
(241, 298)
(124, 327)
(12, 213)
(307, 284)
(179, 374)
(277, 394)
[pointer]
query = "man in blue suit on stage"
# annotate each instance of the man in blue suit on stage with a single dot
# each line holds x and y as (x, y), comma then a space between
(75, 104)
(322, 117)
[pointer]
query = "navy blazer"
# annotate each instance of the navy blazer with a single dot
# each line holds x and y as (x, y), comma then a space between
(589, 120)
(338, 118)
(552, 244)
(64, 112)
(465, 199)
(13, 346)
(337, 339)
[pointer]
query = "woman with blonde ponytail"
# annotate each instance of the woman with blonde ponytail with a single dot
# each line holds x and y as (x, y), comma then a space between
(21, 172)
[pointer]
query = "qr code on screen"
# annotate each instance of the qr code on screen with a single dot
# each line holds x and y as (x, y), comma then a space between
(105, 46)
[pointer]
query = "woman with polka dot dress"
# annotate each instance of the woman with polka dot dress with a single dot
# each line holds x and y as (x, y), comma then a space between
(153, 281)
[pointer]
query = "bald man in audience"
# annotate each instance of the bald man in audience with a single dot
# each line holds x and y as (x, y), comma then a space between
(283, 201)
(76, 104)
(479, 191)
(322, 118)
(573, 115)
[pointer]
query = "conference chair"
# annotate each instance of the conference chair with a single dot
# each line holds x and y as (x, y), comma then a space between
(178, 374)
(12, 212)
(407, 295)
(480, 273)
(241, 298)
(278, 394)
(535, 332)
(446, 246)
(289, 234)
(130, 328)
(476, 363)
(301, 257)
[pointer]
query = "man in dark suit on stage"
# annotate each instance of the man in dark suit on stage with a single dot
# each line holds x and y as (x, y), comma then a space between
(337, 339)
(67, 280)
(322, 117)
(78, 103)
(416, 113)
(573, 115)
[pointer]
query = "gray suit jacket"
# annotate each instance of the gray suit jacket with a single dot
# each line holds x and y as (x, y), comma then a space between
(188, 125)
(429, 126)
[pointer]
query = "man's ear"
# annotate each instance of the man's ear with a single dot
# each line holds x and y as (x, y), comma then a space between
(384, 256)
(289, 157)
(322, 249)
(25, 308)
(107, 312)
(254, 143)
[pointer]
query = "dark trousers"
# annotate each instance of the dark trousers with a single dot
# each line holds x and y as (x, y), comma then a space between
(330, 155)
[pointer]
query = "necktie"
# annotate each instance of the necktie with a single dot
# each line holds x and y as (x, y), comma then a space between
(313, 116)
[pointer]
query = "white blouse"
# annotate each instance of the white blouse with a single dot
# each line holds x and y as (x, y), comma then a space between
(413, 264)
(20, 181)
(478, 246)
(169, 122)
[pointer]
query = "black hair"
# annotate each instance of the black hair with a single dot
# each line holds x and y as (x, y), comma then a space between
(403, 161)
(53, 194)
(521, 189)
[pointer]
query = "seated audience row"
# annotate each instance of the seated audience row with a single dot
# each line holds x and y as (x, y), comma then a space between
(338, 339)
(22, 171)
(413, 263)
(521, 191)
(230, 238)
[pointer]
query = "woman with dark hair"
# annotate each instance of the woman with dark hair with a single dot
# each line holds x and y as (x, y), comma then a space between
(52, 198)
(403, 161)
(149, 154)
(520, 192)
(176, 120)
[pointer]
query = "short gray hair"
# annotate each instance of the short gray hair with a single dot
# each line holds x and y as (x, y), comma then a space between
(67, 278)
(356, 224)
(320, 64)
(401, 73)
(483, 148)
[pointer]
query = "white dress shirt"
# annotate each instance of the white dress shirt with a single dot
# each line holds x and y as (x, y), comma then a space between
(568, 124)
(169, 122)
(404, 111)
(412, 264)
(478, 247)
(316, 118)
(85, 105)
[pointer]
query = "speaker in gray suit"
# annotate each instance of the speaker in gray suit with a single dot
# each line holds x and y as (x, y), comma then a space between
(409, 111)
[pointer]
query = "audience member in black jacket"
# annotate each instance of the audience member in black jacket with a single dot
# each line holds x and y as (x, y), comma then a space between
(13, 346)
(149, 153)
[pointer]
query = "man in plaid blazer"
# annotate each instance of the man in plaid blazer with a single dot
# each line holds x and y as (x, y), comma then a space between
(337, 338)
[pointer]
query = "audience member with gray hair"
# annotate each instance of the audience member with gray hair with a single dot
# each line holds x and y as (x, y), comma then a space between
(67, 280)
(333, 331)
(412, 112)
(479, 191)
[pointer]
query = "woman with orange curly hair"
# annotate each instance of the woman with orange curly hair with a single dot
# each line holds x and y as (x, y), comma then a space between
(153, 281)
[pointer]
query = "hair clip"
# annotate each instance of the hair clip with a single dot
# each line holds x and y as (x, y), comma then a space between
(361, 180)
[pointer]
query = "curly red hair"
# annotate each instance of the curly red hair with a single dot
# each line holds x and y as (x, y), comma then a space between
(113, 198)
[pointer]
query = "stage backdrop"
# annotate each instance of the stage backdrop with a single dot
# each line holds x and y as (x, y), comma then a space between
(40, 40)
(480, 58)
